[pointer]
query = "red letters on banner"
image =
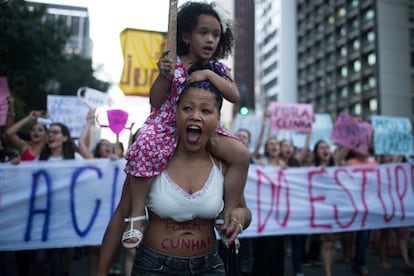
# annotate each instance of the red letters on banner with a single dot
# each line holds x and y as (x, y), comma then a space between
(391, 189)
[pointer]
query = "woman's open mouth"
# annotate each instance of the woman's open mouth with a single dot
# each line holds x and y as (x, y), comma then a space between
(193, 133)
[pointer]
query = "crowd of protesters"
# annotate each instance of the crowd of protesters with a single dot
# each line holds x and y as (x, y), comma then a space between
(258, 255)
(266, 255)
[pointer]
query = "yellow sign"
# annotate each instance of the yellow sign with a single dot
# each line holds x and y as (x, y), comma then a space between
(141, 50)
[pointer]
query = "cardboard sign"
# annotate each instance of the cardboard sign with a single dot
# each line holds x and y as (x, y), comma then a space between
(297, 117)
(92, 98)
(392, 135)
(69, 110)
(351, 133)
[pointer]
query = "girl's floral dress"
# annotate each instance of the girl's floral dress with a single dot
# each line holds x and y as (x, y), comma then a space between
(149, 154)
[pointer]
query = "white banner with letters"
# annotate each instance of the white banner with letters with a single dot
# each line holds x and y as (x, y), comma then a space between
(66, 204)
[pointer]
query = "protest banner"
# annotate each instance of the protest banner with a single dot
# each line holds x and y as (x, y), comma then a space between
(69, 203)
(69, 110)
(351, 133)
(4, 105)
(141, 50)
(291, 116)
(392, 135)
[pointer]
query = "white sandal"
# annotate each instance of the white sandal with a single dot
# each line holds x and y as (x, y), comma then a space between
(132, 233)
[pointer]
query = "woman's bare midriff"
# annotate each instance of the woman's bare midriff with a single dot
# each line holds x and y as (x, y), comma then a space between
(184, 239)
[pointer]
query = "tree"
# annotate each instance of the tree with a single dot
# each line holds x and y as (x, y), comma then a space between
(75, 72)
(30, 50)
(33, 60)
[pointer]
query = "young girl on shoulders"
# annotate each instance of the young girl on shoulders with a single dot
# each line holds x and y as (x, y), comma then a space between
(203, 37)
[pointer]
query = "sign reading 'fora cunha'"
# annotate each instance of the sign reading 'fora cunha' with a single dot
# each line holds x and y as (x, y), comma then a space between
(298, 117)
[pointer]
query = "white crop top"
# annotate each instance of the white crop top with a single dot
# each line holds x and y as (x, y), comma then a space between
(168, 200)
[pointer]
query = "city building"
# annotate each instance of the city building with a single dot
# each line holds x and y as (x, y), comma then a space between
(77, 21)
(356, 56)
(244, 65)
(276, 55)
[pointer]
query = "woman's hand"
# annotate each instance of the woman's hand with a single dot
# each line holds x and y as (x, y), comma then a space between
(240, 219)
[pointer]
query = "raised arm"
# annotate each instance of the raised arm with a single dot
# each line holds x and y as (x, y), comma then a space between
(226, 85)
(11, 113)
(305, 150)
(11, 132)
(85, 136)
(340, 155)
(259, 141)
(162, 83)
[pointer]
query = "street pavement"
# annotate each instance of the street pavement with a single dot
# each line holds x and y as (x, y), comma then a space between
(80, 267)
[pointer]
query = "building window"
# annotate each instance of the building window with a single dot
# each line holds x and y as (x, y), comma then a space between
(371, 59)
(352, 4)
(356, 65)
(344, 71)
(356, 109)
(356, 87)
(369, 83)
(356, 45)
(330, 39)
(343, 52)
(370, 36)
(373, 105)
(332, 98)
(320, 28)
(330, 20)
(368, 15)
(354, 24)
(341, 12)
(331, 58)
(344, 92)
(342, 31)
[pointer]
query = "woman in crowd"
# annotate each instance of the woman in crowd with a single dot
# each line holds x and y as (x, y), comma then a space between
(177, 238)
(323, 157)
(359, 240)
(28, 149)
(103, 149)
(59, 147)
(269, 251)
(287, 156)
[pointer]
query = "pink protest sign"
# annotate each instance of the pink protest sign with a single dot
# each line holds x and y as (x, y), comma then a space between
(351, 133)
(117, 119)
(4, 94)
(297, 117)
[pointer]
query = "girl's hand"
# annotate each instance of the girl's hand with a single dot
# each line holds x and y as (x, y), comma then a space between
(164, 65)
(199, 75)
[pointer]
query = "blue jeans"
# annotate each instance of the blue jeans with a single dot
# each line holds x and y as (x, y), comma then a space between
(361, 248)
(149, 262)
(297, 243)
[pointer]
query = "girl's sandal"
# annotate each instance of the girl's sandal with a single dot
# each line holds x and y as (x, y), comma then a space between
(132, 233)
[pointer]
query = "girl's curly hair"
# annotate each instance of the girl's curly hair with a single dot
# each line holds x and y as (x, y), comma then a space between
(187, 19)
